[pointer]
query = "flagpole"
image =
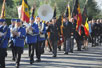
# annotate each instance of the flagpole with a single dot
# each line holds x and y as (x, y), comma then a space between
(73, 7)
(87, 1)
(85, 4)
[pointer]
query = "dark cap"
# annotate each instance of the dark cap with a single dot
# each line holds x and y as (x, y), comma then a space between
(2, 20)
(13, 20)
(18, 20)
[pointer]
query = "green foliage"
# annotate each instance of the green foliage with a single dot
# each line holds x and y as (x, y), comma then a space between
(8, 21)
(8, 3)
(93, 11)
(17, 2)
(11, 12)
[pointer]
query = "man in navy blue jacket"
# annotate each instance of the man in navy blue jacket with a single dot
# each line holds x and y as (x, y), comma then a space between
(40, 38)
(31, 38)
(4, 37)
(19, 34)
(11, 43)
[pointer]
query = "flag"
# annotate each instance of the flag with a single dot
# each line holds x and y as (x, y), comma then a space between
(86, 28)
(61, 25)
(84, 15)
(3, 10)
(19, 11)
(54, 16)
(84, 22)
(68, 12)
(77, 16)
(25, 11)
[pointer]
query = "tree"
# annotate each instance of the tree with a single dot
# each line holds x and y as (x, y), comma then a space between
(11, 6)
(92, 9)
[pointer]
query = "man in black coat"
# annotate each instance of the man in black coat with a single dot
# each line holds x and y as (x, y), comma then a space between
(54, 37)
(94, 33)
(73, 34)
(67, 34)
(100, 31)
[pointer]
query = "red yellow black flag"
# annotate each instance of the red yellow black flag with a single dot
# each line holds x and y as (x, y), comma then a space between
(77, 15)
(84, 21)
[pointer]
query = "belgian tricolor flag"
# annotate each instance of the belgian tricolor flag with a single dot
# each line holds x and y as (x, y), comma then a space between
(84, 22)
(77, 15)
(3, 10)
(25, 11)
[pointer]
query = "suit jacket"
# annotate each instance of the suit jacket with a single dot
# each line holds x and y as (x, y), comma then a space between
(32, 39)
(73, 29)
(43, 32)
(6, 37)
(54, 32)
(67, 29)
(94, 29)
(19, 40)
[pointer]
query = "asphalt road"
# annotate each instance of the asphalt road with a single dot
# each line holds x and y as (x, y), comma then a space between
(91, 58)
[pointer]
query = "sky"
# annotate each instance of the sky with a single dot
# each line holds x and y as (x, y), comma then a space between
(99, 3)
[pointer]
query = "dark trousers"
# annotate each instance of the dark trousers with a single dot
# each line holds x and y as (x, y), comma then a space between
(2, 62)
(72, 45)
(54, 46)
(93, 41)
(79, 44)
(18, 53)
(13, 52)
(42, 46)
(101, 40)
(3, 54)
(68, 43)
(49, 45)
(59, 47)
(38, 50)
(31, 50)
(64, 48)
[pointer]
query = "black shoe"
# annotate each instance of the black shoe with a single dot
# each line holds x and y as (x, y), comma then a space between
(38, 60)
(31, 61)
(66, 53)
(2, 66)
(79, 50)
(13, 59)
(93, 45)
(83, 47)
(54, 56)
(71, 51)
(64, 49)
(42, 52)
(59, 49)
(17, 65)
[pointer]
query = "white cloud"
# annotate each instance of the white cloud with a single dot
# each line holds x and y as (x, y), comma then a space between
(99, 3)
